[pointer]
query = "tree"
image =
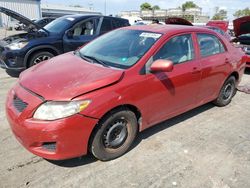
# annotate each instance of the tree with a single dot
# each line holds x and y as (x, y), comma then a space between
(156, 7)
(241, 13)
(220, 14)
(146, 6)
(188, 4)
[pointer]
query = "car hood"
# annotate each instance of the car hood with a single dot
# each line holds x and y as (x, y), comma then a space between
(20, 18)
(22, 37)
(223, 25)
(67, 76)
(177, 21)
(242, 26)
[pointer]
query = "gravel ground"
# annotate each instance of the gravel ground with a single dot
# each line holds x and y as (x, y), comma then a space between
(206, 147)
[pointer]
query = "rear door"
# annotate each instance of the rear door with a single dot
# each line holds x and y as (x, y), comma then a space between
(215, 64)
(173, 92)
(81, 33)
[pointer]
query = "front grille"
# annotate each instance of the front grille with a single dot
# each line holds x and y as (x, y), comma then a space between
(50, 146)
(19, 104)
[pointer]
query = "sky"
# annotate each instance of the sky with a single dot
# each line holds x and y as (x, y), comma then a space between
(116, 6)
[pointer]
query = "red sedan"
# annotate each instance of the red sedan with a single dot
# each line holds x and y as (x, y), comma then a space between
(99, 97)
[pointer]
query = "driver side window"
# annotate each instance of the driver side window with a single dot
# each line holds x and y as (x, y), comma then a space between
(179, 49)
(88, 27)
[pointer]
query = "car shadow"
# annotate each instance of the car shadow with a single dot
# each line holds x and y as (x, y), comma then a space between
(80, 161)
(171, 122)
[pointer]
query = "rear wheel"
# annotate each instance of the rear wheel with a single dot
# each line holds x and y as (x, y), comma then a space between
(227, 92)
(114, 135)
(39, 57)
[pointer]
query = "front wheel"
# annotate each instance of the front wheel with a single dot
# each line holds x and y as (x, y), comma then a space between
(114, 135)
(39, 57)
(227, 92)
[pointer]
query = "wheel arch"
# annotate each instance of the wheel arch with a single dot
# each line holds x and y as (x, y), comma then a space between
(130, 107)
(235, 74)
(34, 50)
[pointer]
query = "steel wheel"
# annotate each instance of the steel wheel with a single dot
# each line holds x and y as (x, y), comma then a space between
(114, 134)
(227, 92)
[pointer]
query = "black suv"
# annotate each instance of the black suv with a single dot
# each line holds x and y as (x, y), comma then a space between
(67, 33)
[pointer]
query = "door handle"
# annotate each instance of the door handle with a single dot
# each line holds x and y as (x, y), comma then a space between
(196, 70)
(226, 60)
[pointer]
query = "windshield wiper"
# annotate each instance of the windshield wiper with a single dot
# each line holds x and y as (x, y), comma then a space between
(95, 59)
(90, 58)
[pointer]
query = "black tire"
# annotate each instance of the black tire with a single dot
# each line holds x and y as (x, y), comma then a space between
(227, 92)
(114, 135)
(39, 57)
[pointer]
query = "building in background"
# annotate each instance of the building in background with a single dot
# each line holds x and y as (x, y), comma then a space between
(33, 9)
(194, 15)
(53, 10)
(29, 8)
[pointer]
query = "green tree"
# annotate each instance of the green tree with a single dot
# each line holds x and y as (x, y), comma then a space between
(241, 13)
(188, 4)
(156, 7)
(220, 14)
(146, 6)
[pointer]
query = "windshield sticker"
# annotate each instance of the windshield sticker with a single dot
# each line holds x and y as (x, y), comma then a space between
(70, 19)
(150, 35)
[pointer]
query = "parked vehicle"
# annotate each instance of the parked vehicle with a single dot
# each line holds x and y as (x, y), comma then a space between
(41, 22)
(99, 97)
(20, 26)
(18, 52)
(242, 34)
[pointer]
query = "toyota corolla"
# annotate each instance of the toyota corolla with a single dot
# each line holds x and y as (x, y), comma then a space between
(96, 99)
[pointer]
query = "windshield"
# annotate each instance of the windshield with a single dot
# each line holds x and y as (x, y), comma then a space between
(120, 48)
(58, 25)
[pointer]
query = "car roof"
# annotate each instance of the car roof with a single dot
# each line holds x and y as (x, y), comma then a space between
(80, 16)
(164, 29)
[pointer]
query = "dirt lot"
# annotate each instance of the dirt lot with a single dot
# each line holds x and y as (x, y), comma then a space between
(206, 147)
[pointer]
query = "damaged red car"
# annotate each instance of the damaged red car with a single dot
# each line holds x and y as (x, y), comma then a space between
(96, 99)
(242, 33)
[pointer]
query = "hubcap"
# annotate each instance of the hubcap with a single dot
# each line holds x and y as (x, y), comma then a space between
(228, 91)
(116, 134)
(40, 59)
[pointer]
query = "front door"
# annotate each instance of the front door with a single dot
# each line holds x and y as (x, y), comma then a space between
(81, 33)
(171, 93)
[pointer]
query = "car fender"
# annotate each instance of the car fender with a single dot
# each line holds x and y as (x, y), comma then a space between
(37, 48)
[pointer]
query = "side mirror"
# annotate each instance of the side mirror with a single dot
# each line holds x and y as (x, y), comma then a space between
(69, 34)
(162, 65)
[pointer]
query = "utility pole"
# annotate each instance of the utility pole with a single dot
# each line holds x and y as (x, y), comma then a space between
(105, 7)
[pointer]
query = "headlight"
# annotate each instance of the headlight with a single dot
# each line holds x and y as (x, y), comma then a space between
(17, 46)
(53, 110)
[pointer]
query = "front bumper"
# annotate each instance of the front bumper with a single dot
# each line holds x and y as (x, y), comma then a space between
(12, 60)
(56, 140)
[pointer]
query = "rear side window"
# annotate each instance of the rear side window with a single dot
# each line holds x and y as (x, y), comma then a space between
(106, 25)
(119, 23)
(178, 49)
(210, 45)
